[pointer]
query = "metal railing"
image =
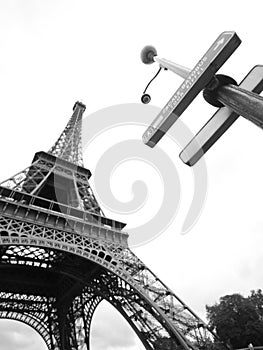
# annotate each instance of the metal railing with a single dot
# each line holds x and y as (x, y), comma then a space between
(49, 205)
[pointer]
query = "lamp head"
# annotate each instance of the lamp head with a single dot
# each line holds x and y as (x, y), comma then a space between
(148, 53)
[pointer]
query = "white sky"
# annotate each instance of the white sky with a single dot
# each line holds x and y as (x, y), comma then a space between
(54, 53)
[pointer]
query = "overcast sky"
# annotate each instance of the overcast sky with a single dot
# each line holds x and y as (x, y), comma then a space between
(55, 52)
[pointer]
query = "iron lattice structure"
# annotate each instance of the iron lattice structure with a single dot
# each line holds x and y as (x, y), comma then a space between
(60, 257)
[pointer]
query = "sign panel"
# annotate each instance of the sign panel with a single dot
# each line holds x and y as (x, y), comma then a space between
(220, 121)
(196, 81)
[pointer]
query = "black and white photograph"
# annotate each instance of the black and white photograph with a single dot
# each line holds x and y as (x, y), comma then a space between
(131, 175)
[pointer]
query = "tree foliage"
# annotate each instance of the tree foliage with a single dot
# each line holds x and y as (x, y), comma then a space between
(238, 320)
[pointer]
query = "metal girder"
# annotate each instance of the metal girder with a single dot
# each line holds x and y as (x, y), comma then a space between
(60, 256)
(69, 146)
(155, 308)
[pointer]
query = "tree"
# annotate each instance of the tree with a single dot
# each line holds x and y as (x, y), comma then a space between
(256, 298)
(237, 320)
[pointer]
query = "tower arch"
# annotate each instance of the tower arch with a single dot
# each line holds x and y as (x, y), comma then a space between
(60, 256)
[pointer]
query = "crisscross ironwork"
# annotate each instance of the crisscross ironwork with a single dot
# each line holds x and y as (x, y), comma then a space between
(60, 257)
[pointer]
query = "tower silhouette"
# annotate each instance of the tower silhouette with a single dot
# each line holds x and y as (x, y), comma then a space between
(60, 257)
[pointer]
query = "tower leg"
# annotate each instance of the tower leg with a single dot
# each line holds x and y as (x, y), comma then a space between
(84, 307)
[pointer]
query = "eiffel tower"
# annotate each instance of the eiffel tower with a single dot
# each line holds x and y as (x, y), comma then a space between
(60, 257)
